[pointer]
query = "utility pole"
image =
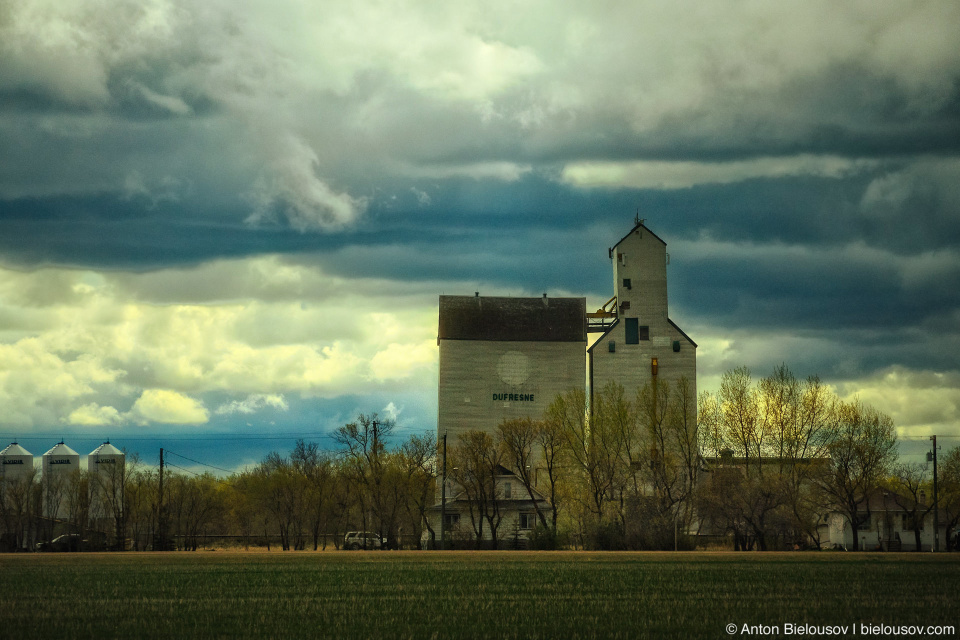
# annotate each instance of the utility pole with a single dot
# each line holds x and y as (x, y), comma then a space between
(443, 495)
(936, 500)
(160, 518)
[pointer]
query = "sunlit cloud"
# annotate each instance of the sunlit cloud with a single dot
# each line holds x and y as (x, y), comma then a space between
(253, 403)
(683, 175)
(168, 407)
(222, 214)
(115, 348)
(93, 415)
(921, 403)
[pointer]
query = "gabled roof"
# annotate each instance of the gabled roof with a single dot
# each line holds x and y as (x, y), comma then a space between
(682, 332)
(638, 225)
(617, 321)
(15, 450)
(513, 319)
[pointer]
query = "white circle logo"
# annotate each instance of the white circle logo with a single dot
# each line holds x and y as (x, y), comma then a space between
(513, 368)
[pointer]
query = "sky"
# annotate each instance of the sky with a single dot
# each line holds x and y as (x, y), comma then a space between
(225, 226)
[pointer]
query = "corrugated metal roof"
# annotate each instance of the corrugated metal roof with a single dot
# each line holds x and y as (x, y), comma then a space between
(513, 319)
(15, 450)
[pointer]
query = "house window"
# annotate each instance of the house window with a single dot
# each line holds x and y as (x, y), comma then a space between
(507, 491)
(527, 521)
(451, 520)
(644, 333)
(626, 283)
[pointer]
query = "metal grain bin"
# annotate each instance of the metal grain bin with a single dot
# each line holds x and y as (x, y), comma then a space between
(16, 463)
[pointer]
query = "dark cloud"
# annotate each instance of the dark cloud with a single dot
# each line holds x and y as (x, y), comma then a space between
(802, 162)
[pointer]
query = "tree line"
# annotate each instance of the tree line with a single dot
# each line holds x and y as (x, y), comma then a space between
(763, 461)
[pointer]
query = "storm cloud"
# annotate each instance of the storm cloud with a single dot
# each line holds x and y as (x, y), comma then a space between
(206, 207)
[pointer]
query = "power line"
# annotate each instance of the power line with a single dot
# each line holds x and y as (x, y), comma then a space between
(170, 464)
(188, 438)
(209, 436)
(197, 461)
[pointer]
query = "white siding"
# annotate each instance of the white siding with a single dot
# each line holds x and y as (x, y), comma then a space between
(641, 258)
(485, 382)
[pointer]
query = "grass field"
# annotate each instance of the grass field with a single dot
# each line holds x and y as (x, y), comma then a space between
(466, 594)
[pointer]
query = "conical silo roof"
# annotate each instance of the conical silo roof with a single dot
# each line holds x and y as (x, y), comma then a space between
(106, 449)
(15, 450)
(61, 450)
(15, 462)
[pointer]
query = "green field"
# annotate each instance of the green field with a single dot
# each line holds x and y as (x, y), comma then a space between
(466, 594)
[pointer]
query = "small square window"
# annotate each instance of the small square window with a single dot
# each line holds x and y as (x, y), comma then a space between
(451, 520)
(626, 283)
(527, 521)
(612, 346)
(624, 305)
(644, 333)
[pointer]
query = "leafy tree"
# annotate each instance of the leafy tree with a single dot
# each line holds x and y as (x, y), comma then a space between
(777, 431)
(861, 454)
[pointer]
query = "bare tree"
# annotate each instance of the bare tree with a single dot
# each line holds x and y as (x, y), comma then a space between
(18, 508)
(366, 460)
(519, 438)
(418, 463)
(476, 460)
(140, 510)
(908, 486)
(552, 447)
(282, 490)
(949, 489)
(592, 447)
(108, 485)
(77, 499)
(317, 469)
(740, 412)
